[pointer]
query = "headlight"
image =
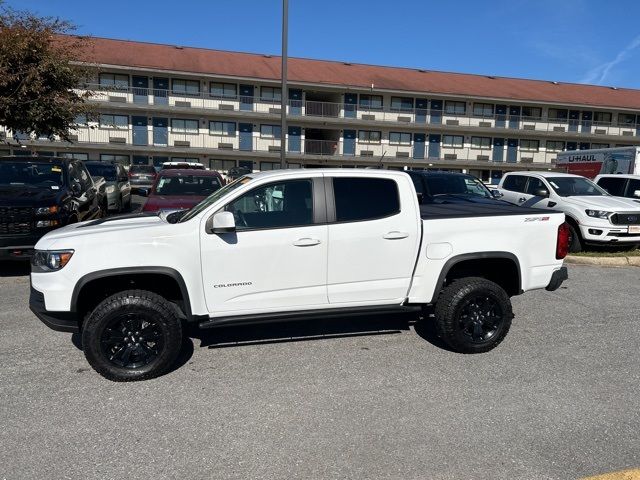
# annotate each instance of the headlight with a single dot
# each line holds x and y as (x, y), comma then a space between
(111, 189)
(47, 223)
(46, 210)
(598, 214)
(50, 261)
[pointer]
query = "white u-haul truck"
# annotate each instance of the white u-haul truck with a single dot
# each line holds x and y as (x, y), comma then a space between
(591, 163)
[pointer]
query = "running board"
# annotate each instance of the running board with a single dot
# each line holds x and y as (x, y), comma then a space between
(307, 314)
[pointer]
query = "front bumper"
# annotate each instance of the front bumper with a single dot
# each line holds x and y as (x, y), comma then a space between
(59, 321)
(608, 234)
(557, 278)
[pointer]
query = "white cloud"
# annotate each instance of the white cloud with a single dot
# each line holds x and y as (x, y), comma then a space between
(598, 74)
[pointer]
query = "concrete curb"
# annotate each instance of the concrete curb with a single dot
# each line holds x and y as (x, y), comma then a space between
(604, 261)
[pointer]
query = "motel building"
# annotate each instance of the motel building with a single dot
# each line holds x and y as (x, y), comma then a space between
(160, 103)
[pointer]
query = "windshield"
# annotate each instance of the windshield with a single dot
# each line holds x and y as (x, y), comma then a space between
(213, 198)
(575, 186)
(32, 174)
(187, 185)
(456, 185)
(106, 171)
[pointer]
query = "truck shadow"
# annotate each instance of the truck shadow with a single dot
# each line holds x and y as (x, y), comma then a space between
(14, 268)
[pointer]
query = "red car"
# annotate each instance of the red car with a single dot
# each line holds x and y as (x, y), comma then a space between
(181, 188)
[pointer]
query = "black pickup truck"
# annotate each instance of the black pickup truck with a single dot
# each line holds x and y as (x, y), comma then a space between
(39, 194)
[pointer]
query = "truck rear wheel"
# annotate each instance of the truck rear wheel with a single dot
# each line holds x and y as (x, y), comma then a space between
(575, 242)
(132, 335)
(473, 315)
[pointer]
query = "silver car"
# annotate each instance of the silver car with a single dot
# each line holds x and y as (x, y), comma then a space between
(118, 189)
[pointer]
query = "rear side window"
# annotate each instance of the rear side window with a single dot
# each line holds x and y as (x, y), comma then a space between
(615, 186)
(515, 183)
(365, 198)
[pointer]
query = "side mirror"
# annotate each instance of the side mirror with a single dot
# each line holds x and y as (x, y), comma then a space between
(221, 222)
(143, 192)
(541, 192)
(76, 189)
(636, 193)
(497, 194)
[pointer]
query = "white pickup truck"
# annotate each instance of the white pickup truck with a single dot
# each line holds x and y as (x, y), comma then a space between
(593, 216)
(291, 244)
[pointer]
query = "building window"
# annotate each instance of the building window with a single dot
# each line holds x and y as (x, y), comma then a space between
(180, 125)
(226, 129)
(114, 81)
(222, 165)
(531, 113)
(481, 142)
(453, 141)
(185, 159)
(554, 146)
(626, 119)
(114, 121)
(185, 87)
(401, 104)
(369, 136)
(599, 145)
(455, 108)
(76, 156)
(399, 138)
(80, 120)
(270, 94)
(270, 131)
(269, 166)
(223, 90)
(122, 159)
(483, 109)
(558, 114)
(529, 145)
(370, 102)
(602, 118)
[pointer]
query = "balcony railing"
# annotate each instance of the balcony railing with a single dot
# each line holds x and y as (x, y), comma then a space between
(329, 110)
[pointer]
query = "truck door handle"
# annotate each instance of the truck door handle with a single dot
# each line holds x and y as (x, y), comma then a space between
(306, 242)
(395, 235)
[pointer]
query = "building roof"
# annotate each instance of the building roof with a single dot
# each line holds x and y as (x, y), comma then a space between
(352, 75)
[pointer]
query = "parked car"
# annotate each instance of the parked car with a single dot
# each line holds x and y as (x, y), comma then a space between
(101, 189)
(594, 216)
(117, 187)
(178, 189)
(182, 165)
(451, 187)
(291, 244)
(627, 186)
(237, 172)
(142, 176)
(39, 194)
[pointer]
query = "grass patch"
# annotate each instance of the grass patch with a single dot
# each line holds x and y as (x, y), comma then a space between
(609, 253)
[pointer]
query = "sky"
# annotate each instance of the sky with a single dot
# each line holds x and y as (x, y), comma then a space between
(581, 41)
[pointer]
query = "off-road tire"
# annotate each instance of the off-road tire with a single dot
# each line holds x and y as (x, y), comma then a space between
(452, 314)
(132, 304)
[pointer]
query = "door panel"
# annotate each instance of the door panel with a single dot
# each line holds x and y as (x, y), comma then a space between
(418, 145)
(498, 150)
(294, 139)
(350, 105)
(371, 260)
(160, 131)
(295, 101)
(501, 116)
(512, 150)
(514, 117)
(246, 98)
(140, 132)
(434, 146)
(140, 89)
(246, 136)
(436, 112)
(160, 91)
(421, 110)
(574, 119)
(349, 143)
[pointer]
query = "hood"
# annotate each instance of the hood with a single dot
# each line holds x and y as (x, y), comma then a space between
(604, 202)
(168, 202)
(119, 224)
(21, 196)
(462, 199)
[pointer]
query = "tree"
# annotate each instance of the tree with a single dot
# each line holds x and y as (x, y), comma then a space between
(37, 74)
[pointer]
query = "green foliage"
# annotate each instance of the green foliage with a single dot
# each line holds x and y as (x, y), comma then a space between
(37, 75)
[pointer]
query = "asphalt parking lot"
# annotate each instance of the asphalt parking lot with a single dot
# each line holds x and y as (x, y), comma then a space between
(369, 398)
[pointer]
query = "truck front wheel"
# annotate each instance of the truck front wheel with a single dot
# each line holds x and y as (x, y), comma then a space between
(132, 335)
(473, 315)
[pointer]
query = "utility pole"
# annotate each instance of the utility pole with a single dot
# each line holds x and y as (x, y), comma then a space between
(284, 94)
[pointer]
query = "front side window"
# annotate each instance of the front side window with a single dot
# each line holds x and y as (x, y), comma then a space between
(483, 109)
(114, 80)
(360, 199)
(515, 183)
(455, 108)
(179, 125)
(453, 141)
(633, 189)
(223, 90)
(185, 87)
(401, 103)
(615, 186)
(530, 145)
(481, 142)
(369, 136)
(226, 129)
(271, 94)
(534, 185)
(114, 121)
(270, 131)
(276, 205)
(399, 138)
(575, 186)
(370, 102)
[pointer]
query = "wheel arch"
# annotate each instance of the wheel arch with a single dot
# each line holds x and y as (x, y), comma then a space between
(502, 268)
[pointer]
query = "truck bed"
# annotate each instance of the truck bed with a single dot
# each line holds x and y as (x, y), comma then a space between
(433, 211)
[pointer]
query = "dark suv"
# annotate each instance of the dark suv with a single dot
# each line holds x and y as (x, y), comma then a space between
(451, 187)
(39, 194)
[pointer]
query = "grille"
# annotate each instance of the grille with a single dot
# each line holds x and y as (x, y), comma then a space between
(15, 220)
(15, 227)
(15, 212)
(627, 218)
